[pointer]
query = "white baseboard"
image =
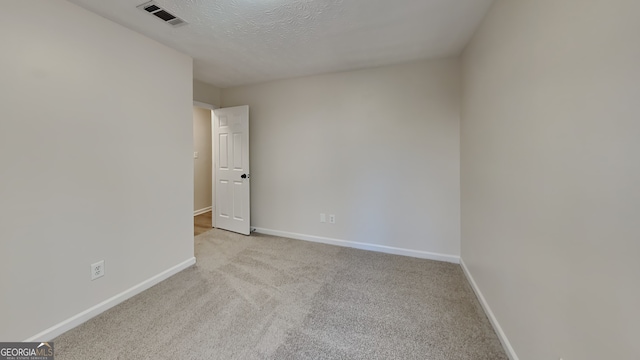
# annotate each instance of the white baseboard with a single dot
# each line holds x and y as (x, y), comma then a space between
(202, 211)
(492, 318)
(70, 323)
(363, 246)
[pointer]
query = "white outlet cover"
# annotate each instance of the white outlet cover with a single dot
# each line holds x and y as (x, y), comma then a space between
(97, 270)
(332, 219)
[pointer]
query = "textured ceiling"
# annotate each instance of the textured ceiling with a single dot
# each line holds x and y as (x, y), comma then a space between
(236, 42)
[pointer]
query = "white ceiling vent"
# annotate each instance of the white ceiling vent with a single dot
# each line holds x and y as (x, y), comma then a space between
(154, 9)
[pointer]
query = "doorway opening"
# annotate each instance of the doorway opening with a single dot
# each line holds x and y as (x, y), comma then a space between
(202, 168)
(221, 169)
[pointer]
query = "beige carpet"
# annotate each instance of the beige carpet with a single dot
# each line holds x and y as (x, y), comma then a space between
(264, 297)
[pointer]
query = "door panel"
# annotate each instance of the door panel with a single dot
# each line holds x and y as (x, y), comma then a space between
(223, 204)
(238, 208)
(237, 151)
(222, 151)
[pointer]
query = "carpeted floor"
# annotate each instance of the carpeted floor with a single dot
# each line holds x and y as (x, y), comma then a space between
(263, 297)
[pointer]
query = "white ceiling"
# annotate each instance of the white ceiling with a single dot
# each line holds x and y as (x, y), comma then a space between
(236, 42)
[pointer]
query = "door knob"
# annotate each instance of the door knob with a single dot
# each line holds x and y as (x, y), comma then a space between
(244, 176)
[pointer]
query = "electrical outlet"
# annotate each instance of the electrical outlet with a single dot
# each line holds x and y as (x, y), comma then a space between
(195, 154)
(323, 218)
(332, 219)
(97, 270)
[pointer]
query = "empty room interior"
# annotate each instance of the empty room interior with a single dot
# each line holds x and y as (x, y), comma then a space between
(321, 179)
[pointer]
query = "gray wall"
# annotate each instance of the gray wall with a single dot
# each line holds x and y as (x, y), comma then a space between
(96, 156)
(206, 93)
(551, 173)
(379, 148)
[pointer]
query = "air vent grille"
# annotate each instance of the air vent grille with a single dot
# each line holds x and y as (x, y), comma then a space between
(154, 9)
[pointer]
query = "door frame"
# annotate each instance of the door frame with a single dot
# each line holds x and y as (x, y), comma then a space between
(211, 107)
(214, 145)
(205, 105)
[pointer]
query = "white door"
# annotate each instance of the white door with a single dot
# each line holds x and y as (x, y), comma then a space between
(231, 169)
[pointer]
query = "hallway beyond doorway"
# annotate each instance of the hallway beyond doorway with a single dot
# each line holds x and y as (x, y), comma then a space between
(201, 223)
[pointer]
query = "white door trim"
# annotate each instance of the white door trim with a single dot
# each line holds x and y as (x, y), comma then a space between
(214, 144)
(204, 105)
